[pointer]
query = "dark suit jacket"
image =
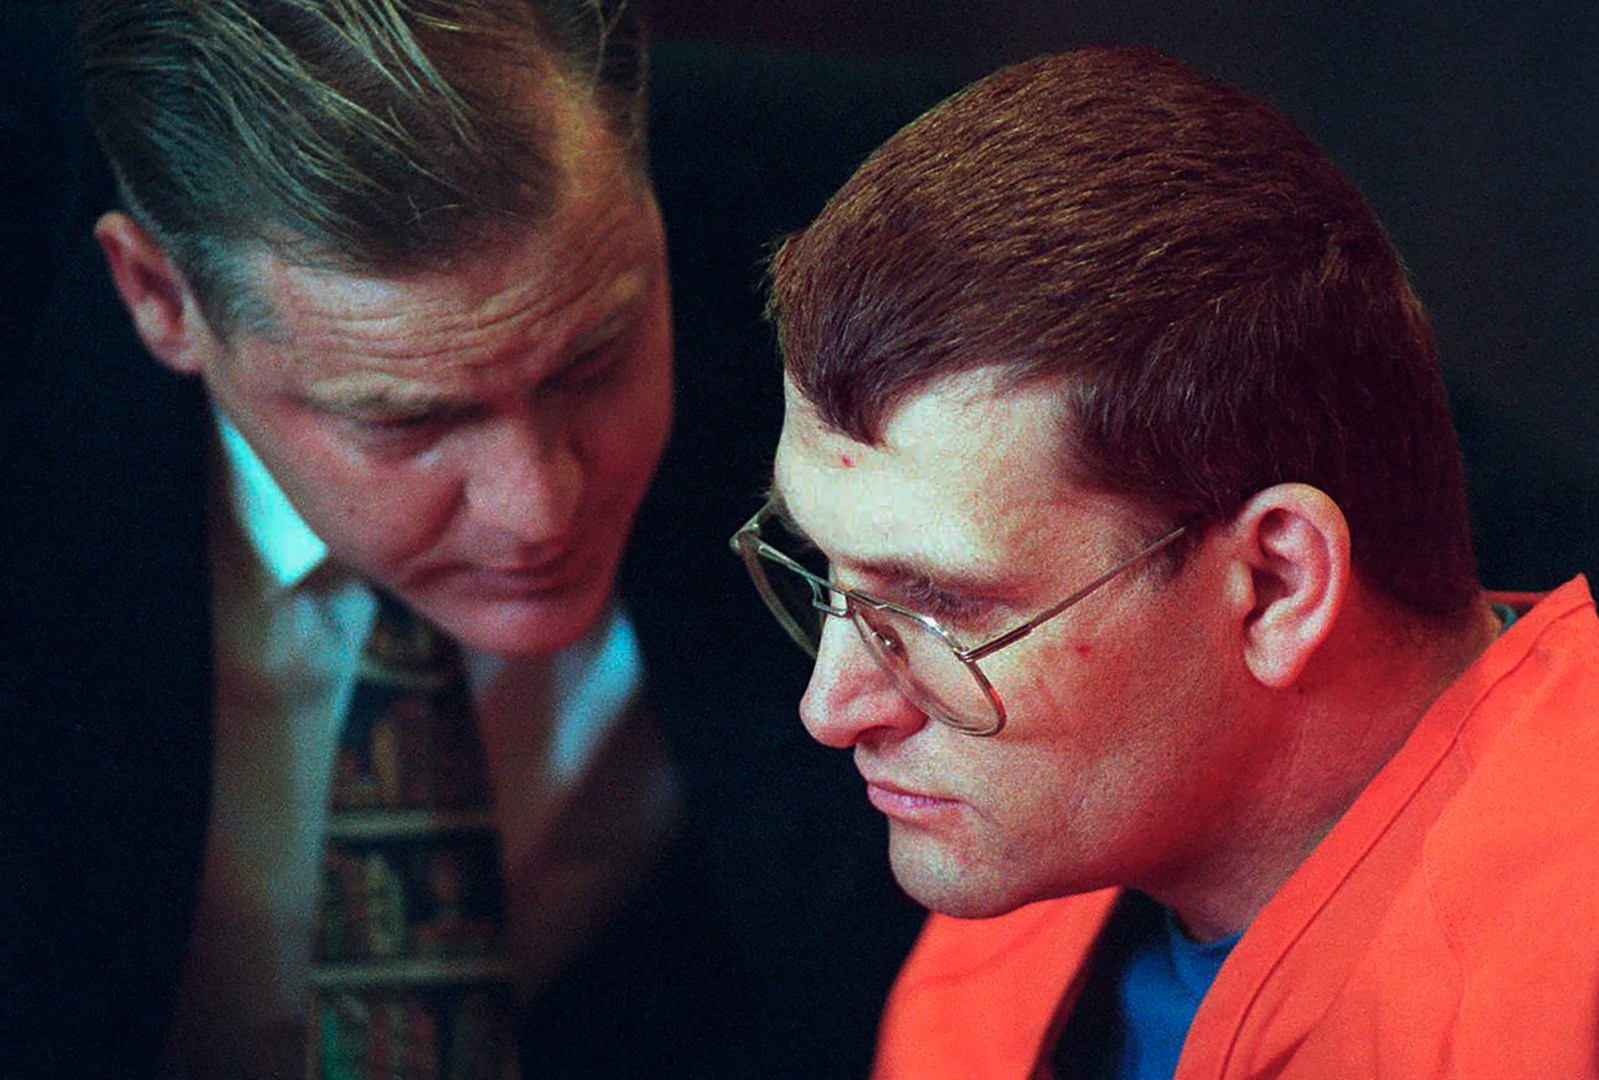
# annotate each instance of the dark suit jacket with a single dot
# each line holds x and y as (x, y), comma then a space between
(766, 942)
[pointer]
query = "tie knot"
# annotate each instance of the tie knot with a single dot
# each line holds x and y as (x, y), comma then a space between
(402, 643)
(409, 738)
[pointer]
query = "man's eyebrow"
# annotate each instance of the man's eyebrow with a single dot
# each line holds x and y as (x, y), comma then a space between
(913, 575)
(368, 395)
(889, 572)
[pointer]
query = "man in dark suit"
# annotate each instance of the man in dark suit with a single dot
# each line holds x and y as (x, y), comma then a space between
(450, 376)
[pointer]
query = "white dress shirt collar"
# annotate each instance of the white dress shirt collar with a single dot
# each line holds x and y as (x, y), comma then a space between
(287, 548)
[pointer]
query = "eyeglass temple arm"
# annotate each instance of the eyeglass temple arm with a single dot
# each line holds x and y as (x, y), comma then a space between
(1034, 623)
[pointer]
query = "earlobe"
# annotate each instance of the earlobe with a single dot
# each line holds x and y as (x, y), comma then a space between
(155, 292)
(1294, 543)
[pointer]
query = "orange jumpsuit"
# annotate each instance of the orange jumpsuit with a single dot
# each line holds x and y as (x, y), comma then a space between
(1447, 926)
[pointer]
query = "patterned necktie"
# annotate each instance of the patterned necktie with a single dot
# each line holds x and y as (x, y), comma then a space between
(410, 974)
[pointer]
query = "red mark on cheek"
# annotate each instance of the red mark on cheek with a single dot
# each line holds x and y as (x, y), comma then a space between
(846, 461)
(1083, 649)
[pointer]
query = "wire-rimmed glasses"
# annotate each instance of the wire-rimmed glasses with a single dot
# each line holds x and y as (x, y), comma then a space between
(929, 664)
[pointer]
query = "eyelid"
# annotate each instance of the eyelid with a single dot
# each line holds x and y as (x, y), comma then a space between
(443, 411)
(577, 374)
(603, 338)
(929, 598)
(594, 364)
(371, 408)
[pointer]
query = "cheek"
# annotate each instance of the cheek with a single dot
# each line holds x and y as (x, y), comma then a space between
(1132, 727)
(1063, 694)
(623, 434)
(386, 519)
(376, 516)
(1122, 678)
(1093, 730)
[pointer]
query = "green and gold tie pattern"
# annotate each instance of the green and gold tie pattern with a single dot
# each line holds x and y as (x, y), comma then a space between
(410, 975)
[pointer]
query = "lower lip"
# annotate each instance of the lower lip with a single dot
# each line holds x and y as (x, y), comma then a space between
(517, 583)
(548, 581)
(905, 806)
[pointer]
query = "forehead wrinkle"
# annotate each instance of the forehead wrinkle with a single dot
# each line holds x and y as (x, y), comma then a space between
(547, 283)
(396, 357)
(460, 313)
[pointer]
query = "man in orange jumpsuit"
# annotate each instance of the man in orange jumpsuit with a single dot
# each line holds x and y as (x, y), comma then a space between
(1116, 431)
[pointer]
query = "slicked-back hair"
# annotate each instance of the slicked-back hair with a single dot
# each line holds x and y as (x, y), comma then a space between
(366, 135)
(1217, 303)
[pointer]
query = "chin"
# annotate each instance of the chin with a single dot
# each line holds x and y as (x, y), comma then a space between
(525, 627)
(946, 886)
(957, 902)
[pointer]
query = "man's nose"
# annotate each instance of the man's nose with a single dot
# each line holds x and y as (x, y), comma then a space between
(527, 480)
(851, 698)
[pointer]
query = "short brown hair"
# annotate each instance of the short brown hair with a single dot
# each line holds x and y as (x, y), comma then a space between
(1219, 305)
(361, 134)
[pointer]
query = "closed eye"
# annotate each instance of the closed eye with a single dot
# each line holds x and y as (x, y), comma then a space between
(926, 597)
(590, 370)
(398, 433)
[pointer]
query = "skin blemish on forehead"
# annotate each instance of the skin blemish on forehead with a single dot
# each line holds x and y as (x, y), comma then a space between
(846, 461)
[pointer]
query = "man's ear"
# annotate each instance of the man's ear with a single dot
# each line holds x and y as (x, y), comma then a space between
(1293, 544)
(156, 293)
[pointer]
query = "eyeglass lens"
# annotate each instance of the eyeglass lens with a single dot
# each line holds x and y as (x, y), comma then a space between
(925, 666)
(921, 662)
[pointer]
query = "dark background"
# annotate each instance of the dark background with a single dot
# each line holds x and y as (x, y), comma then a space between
(1472, 128)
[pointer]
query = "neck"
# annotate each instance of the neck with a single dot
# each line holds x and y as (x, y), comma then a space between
(1325, 738)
